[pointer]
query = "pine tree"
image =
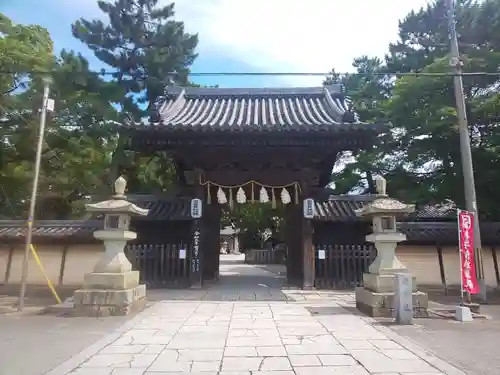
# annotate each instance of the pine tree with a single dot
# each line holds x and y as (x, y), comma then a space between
(146, 47)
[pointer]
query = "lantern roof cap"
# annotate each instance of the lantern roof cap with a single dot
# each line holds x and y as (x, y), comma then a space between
(383, 204)
(118, 204)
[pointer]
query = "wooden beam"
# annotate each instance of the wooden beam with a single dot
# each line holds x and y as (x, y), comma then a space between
(213, 158)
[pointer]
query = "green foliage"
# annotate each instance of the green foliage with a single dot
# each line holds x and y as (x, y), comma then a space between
(420, 156)
(82, 153)
(23, 49)
(252, 219)
(148, 50)
(143, 43)
(78, 143)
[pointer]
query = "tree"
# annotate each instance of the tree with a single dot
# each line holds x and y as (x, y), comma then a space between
(147, 50)
(76, 151)
(368, 88)
(23, 50)
(144, 45)
(77, 145)
(420, 156)
(252, 219)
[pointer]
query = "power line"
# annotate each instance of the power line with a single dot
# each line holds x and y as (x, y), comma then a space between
(273, 74)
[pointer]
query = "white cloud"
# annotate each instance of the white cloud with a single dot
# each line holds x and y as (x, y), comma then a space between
(293, 35)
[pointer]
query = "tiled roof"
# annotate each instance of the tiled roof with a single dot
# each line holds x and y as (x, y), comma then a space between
(168, 208)
(81, 230)
(266, 109)
(441, 211)
(16, 229)
(341, 207)
(446, 232)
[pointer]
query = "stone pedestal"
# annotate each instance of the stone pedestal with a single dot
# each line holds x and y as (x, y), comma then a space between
(379, 304)
(376, 297)
(109, 302)
(113, 288)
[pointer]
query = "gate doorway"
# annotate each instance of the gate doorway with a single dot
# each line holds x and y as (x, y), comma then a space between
(251, 219)
(256, 250)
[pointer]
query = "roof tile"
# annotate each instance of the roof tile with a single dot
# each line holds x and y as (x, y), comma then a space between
(173, 208)
(319, 108)
(50, 228)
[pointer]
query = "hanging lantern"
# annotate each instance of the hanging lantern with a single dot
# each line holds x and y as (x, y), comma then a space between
(240, 196)
(221, 196)
(285, 196)
(263, 196)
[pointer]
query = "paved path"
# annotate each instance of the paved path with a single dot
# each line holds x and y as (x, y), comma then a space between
(319, 334)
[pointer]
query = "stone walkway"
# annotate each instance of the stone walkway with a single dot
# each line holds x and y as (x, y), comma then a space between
(318, 335)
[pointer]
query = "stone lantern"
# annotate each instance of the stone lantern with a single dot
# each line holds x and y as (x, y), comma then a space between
(113, 287)
(376, 297)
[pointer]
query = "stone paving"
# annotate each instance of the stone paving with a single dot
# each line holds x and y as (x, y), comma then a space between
(235, 338)
(254, 328)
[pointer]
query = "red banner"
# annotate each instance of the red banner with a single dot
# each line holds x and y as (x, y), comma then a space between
(466, 246)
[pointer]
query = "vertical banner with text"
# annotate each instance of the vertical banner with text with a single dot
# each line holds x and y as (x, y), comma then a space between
(466, 246)
(195, 259)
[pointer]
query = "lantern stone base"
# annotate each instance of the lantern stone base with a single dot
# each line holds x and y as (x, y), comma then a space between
(123, 280)
(376, 297)
(110, 294)
(109, 302)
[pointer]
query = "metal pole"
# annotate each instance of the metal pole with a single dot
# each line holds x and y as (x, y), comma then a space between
(465, 148)
(31, 214)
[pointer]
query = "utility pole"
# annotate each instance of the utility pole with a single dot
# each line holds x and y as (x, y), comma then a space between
(46, 105)
(465, 148)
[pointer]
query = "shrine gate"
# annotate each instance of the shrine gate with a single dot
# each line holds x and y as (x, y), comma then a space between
(260, 144)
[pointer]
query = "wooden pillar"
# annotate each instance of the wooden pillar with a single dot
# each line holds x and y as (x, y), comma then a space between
(63, 265)
(294, 244)
(217, 217)
(441, 268)
(308, 255)
(211, 241)
(9, 264)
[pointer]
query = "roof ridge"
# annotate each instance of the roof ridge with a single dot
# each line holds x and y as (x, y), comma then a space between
(253, 91)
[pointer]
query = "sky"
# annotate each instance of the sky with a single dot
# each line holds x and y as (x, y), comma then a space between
(251, 35)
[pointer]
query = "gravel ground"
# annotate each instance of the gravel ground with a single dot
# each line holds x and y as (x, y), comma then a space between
(471, 346)
(32, 345)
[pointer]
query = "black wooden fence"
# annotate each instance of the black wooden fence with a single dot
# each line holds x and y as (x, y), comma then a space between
(264, 256)
(343, 266)
(160, 265)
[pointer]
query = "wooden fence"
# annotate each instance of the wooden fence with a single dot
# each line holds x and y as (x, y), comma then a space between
(343, 265)
(264, 256)
(160, 265)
